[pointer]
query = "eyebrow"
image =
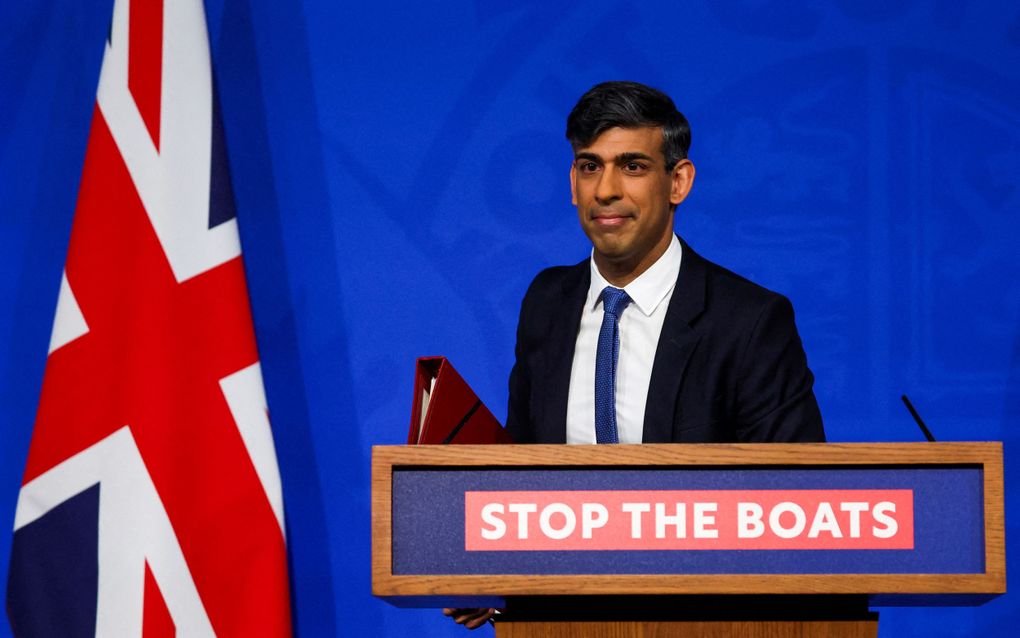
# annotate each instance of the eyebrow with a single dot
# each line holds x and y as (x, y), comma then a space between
(622, 158)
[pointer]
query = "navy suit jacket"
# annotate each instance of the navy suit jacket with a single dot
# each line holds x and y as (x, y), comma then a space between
(729, 366)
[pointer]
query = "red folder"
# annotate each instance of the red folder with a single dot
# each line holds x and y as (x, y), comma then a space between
(447, 410)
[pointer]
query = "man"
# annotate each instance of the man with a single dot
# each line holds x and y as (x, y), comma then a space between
(703, 356)
(646, 341)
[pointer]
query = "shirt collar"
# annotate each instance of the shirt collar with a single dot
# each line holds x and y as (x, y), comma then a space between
(650, 287)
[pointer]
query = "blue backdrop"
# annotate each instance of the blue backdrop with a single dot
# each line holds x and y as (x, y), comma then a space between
(401, 174)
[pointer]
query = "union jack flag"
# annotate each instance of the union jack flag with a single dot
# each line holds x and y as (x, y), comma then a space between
(151, 502)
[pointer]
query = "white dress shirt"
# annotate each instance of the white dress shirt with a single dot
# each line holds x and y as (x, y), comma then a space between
(640, 324)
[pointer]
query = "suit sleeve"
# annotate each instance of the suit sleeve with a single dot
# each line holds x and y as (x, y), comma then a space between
(518, 418)
(517, 422)
(775, 399)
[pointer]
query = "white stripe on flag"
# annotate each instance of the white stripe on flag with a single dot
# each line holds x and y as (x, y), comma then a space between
(246, 399)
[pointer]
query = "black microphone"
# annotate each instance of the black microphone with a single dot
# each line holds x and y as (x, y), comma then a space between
(917, 417)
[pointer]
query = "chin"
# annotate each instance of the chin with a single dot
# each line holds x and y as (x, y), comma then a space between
(613, 256)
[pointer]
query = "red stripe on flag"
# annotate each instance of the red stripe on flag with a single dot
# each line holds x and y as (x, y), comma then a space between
(156, 620)
(145, 61)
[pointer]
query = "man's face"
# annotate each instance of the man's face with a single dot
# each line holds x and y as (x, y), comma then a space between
(625, 197)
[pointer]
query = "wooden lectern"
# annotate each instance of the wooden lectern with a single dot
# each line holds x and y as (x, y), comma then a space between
(688, 540)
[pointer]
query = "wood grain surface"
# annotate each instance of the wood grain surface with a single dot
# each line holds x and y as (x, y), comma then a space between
(697, 629)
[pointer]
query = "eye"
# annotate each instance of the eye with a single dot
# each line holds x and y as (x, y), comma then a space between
(588, 167)
(633, 167)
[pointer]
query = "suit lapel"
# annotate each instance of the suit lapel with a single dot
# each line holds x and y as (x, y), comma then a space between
(676, 344)
(563, 327)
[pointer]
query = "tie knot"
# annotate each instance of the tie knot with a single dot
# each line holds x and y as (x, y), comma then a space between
(614, 300)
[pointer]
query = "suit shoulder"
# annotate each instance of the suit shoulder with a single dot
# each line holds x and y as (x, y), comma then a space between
(552, 280)
(729, 286)
(735, 302)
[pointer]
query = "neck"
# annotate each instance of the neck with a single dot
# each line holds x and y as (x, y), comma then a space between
(620, 272)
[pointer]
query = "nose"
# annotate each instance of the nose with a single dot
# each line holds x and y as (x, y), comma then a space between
(608, 188)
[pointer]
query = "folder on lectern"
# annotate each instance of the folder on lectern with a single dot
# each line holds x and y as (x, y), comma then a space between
(447, 410)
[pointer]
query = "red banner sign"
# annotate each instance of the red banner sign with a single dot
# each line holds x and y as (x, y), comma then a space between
(688, 520)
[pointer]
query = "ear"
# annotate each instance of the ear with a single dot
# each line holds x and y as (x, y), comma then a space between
(573, 187)
(681, 181)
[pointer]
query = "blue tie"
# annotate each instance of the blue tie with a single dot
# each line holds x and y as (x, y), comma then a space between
(614, 300)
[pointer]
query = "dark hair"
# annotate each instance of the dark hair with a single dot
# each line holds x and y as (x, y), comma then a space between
(629, 105)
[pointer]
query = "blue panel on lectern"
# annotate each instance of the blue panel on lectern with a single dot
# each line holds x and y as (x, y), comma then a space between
(948, 523)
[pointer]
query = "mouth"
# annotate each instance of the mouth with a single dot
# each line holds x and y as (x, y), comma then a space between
(609, 218)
